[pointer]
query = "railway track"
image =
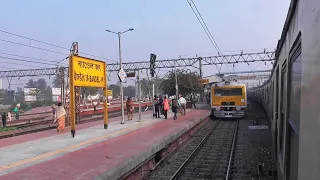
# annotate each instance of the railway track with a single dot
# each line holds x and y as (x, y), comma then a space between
(209, 155)
(44, 125)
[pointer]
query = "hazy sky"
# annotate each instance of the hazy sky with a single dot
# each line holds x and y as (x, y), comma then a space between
(167, 28)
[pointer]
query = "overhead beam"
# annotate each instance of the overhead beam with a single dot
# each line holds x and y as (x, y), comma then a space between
(245, 72)
(170, 63)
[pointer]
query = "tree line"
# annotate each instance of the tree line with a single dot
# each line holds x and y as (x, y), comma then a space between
(188, 82)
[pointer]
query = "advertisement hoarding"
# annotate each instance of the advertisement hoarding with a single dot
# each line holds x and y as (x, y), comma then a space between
(56, 91)
(30, 94)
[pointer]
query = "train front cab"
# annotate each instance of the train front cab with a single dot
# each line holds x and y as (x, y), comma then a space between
(228, 101)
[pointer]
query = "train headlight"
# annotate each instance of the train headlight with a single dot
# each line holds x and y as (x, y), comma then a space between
(238, 108)
(218, 108)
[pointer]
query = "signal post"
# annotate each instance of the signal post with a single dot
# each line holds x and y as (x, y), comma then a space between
(85, 72)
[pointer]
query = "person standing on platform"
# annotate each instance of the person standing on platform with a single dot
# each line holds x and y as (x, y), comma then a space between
(94, 107)
(4, 120)
(53, 106)
(9, 116)
(193, 102)
(175, 107)
(161, 105)
(60, 117)
(166, 107)
(156, 106)
(130, 108)
(183, 102)
(16, 111)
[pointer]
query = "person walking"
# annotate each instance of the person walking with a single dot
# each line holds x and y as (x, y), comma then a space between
(161, 105)
(166, 107)
(9, 116)
(193, 102)
(156, 106)
(16, 111)
(53, 107)
(183, 102)
(4, 120)
(60, 117)
(130, 108)
(94, 107)
(175, 107)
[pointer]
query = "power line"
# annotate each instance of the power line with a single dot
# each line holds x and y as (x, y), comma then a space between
(59, 61)
(30, 46)
(216, 45)
(207, 31)
(50, 44)
(24, 60)
(20, 64)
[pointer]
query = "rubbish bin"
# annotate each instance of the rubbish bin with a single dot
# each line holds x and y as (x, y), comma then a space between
(189, 105)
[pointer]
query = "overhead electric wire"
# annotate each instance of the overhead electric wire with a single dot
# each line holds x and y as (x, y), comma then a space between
(204, 23)
(207, 31)
(50, 44)
(30, 46)
(24, 60)
(58, 61)
(23, 65)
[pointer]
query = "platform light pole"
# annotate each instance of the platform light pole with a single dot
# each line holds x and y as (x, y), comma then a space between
(120, 59)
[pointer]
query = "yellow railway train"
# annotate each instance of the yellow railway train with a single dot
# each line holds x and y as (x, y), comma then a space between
(228, 99)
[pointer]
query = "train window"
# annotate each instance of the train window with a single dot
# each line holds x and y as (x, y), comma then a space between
(292, 147)
(228, 92)
(295, 85)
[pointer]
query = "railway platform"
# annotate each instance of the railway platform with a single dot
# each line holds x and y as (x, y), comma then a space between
(95, 153)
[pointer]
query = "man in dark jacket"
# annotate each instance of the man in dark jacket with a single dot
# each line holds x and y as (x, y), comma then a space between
(175, 106)
(193, 102)
(4, 120)
(161, 105)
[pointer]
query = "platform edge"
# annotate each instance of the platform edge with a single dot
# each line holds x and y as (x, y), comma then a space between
(127, 166)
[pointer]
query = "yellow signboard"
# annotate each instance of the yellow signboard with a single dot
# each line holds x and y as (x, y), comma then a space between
(88, 72)
(109, 93)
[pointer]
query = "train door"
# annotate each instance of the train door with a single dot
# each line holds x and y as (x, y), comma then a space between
(292, 147)
(282, 112)
(276, 114)
(272, 101)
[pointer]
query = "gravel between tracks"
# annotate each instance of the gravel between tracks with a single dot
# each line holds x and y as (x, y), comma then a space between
(253, 147)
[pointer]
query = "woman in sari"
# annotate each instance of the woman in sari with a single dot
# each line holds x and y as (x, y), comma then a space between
(130, 109)
(60, 117)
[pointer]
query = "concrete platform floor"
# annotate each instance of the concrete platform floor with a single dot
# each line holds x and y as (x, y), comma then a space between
(53, 132)
(20, 156)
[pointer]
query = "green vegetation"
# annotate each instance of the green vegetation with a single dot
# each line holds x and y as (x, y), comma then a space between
(7, 129)
(188, 82)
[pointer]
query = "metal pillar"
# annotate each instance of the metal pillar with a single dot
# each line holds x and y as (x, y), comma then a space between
(176, 79)
(139, 94)
(62, 76)
(200, 73)
(120, 58)
(137, 87)
(121, 83)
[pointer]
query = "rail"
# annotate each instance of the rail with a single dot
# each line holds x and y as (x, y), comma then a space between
(175, 175)
(232, 149)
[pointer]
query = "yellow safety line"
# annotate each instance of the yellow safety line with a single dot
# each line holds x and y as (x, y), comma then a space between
(49, 154)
